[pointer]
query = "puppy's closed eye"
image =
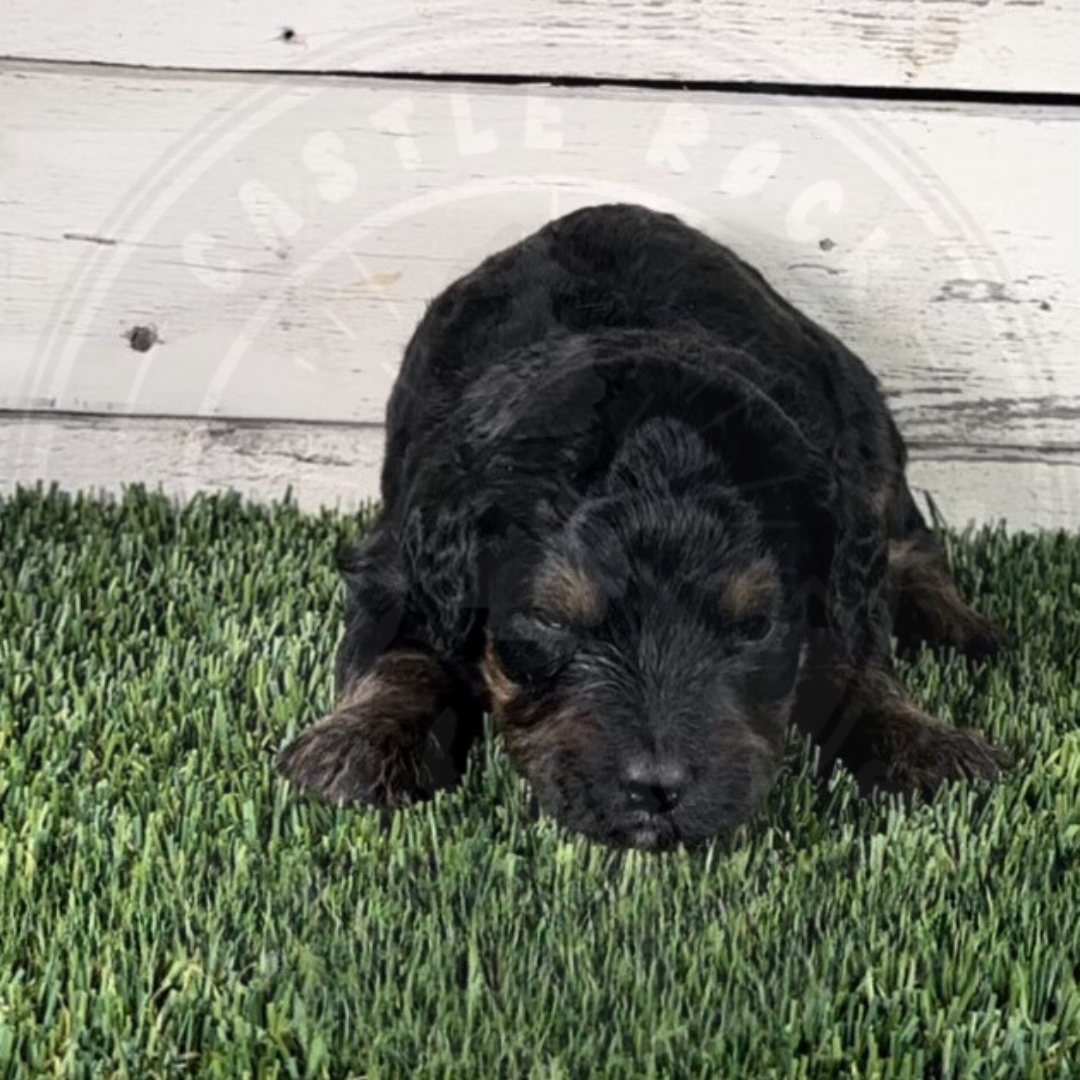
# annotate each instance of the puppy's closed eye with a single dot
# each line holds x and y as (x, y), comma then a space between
(548, 622)
(754, 629)
(534, 647)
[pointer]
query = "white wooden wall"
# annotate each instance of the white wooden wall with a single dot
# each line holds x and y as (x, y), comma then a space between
(262, 197)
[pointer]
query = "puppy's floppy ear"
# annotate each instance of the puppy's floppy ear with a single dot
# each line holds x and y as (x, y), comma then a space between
(376, 589)
(844, 557)
(441, 550)
(411, 581)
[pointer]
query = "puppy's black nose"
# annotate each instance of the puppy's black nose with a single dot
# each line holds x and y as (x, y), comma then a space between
(655, 786)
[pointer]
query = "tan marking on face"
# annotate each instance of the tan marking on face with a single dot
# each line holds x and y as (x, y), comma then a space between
(535, 735)
(565, 591)
(881, 499)
(531, 729)
(501, 688)
(752, 589)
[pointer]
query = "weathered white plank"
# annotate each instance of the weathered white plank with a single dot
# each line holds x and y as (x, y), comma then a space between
(329, 465)
(282, 239)
(324, 465)
(972, 44)
(1026, 491)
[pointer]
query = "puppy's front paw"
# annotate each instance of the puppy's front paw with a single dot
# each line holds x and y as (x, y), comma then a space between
(985, 639)
(392, 740)
(937, 754)
(350, 759)
(972, 635)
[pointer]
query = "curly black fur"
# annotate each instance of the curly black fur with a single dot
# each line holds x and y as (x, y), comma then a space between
(643, 509)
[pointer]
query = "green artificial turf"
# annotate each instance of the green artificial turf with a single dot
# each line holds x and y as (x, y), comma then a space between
(168, 908)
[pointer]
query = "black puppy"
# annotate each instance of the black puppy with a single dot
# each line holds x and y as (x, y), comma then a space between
(648, 514)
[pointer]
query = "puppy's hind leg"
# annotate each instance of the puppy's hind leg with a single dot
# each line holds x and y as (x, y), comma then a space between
(927, 607)
(399, 733)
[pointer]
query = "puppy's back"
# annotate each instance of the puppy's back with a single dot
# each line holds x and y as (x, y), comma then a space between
(617, 266)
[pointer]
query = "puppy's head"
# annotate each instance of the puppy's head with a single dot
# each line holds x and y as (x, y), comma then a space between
(642, 672)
